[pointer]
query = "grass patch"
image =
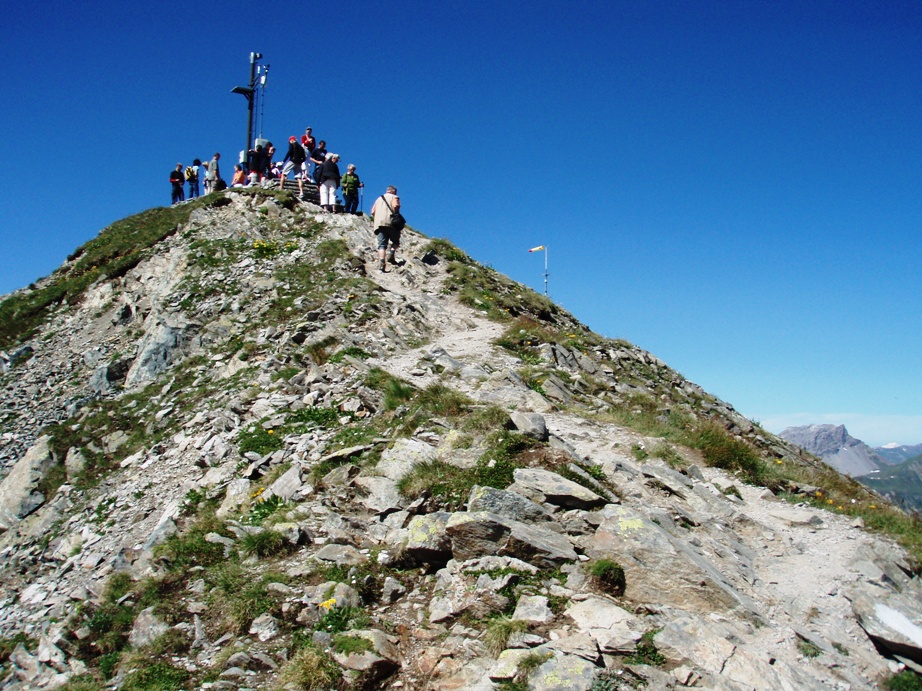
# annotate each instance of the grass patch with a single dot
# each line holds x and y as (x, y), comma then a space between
(907, 680)
(499, 630)
(646, 652)
(808, 649)
(351, 645)
(238, 599)
(266, 544)
(190, 548)
(312, 669)
(159, 676)
(608, 575)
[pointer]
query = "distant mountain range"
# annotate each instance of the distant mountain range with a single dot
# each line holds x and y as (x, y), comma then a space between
(893, 470)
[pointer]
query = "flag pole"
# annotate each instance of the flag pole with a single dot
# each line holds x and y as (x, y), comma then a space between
(540, 248)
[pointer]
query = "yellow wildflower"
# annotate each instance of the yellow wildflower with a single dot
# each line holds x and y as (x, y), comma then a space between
(328, 604)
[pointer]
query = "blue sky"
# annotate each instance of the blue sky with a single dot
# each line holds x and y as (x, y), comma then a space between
(734, 186)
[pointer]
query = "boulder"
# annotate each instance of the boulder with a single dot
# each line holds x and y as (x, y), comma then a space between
(480, 533)
(544, 486)
(19, 494)
(505, 503)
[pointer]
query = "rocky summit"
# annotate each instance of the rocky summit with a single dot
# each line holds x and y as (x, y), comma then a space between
(236, 455)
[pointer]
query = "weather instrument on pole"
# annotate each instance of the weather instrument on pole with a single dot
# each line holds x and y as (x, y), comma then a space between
(250, 92)
(540, 248)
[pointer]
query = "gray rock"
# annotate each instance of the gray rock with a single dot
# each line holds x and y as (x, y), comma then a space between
(265, 627)
(545, 486)
(530, 424)
(892, 619)
(343, 555)
(19, 495)
(287, 484)
(427, 541)
(156, 351)
(506, 503)
(475, 534)
(147, 628)
(533, 609)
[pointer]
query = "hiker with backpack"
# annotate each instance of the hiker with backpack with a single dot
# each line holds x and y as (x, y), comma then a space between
(387, 222)
(191, 174)
(176, 180)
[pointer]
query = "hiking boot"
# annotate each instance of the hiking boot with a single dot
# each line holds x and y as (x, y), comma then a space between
(391, 258)
(383, 266)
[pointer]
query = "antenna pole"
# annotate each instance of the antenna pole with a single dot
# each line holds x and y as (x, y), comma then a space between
(545, 271)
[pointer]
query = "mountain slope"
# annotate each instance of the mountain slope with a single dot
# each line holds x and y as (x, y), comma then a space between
(235, 455)
(837, 447)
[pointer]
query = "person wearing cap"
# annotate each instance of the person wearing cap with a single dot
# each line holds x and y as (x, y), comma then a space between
(177, 181)
(381, 213)
(351, 184)
(327, 176)
(293, 160)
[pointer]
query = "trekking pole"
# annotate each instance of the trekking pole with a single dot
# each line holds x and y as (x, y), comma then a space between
(362, 200)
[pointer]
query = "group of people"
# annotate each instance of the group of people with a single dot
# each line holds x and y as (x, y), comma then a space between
(307, 158)
(191, 174)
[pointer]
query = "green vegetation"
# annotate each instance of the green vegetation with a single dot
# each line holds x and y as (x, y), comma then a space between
(646, 652)
(266, 543)
(808, 649)
(159, 676)
(907, 680)
(238, 597)
(499, 630)
(451, 485)
(351, 351)
(339, 619)
(609, 576)
(351, 645)
(447, 251)
(311, 669)
(111, 254)
(190, 548)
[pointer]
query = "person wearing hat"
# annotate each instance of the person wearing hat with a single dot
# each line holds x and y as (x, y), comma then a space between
(351, 184)
(293, 160)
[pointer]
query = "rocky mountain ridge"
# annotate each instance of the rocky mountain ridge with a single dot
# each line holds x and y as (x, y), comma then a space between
(236, 457)
(837, 447)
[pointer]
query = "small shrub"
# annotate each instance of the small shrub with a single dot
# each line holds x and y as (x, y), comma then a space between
(907, 680)
(646, 652)
(609, 575)
(808, 649)
(722, 451)
(499, 631)
(312, 669)
(265, 544)
(339, 619)
(351, 351)
(263, 508)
